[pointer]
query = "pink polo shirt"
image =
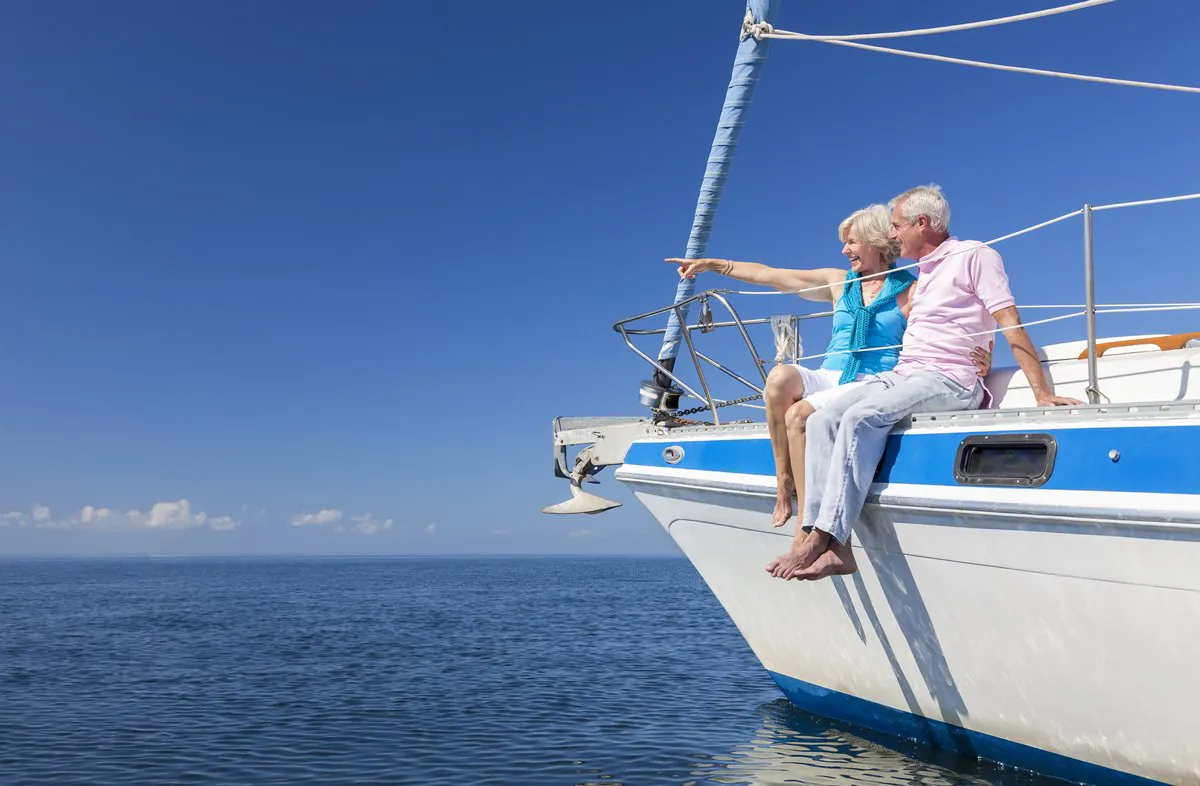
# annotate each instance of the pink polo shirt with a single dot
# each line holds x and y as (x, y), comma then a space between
(955, 296)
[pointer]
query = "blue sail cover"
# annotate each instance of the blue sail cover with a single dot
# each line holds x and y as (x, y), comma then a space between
(747, 67)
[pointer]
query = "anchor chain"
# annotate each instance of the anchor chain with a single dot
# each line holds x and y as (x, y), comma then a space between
(679, 418)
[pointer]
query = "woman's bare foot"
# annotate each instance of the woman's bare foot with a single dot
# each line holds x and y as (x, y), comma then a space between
(837, 560)
(783, 504)
(800, 556)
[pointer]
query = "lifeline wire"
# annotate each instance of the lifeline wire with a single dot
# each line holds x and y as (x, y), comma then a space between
(760, 30)
(1009, 236)
(1099, 310)
(1017, 69)
(1161, 201)
(1035, 227)
(784, 34)
(964, 335)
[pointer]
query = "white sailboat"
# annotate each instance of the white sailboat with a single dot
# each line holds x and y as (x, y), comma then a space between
(1029, 578)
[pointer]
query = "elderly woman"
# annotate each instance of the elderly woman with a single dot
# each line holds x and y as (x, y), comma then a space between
(871, 310)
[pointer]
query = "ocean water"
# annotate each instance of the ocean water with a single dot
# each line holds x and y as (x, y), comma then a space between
(404, 671)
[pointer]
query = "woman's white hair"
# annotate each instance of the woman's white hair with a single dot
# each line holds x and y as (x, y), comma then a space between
(872, 225)
(925, 201)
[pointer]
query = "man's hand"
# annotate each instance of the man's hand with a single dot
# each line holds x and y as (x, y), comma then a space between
(982, 358)
(1050, 400)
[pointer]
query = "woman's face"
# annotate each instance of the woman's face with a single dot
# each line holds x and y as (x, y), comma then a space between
(863, 257)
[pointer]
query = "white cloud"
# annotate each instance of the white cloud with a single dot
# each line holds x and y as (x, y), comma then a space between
(367, 524)
(174, 515)
(164, 515)
(223, 523)
(580, 533)
(161, 516)
(364, 524)
(325, 516)
(431, 529)
(15, 515)
(90, 514)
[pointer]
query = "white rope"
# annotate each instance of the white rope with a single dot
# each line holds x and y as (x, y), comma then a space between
(1116, 308)
(1034, 228)
(1175, 307)
(935, 343)
(1125, 308)
(1015, 69)
(1131, 306)
(928, 30)
(1009, 236)
(1164, 200)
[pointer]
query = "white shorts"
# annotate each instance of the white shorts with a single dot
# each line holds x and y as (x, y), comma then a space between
(821, 385)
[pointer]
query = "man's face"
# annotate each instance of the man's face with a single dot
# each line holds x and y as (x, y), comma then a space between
(908, 234)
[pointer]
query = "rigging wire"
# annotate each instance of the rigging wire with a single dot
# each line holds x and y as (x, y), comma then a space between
(784, 34)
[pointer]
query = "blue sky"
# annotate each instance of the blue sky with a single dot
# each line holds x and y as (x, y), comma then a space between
(339, 264)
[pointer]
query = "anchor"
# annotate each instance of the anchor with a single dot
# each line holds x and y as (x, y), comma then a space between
(605, 441)
(582, 501)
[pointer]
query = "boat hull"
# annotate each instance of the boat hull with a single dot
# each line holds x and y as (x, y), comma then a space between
(1055, 629)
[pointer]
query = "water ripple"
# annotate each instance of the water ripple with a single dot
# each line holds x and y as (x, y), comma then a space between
(496, 671)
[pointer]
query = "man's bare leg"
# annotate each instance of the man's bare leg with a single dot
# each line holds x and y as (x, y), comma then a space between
(796, 422)
(836, 560)
(783, 389)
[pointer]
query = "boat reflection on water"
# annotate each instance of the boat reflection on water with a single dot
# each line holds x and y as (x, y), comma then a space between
(795, 747)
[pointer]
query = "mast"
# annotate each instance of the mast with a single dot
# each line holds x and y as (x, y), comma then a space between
(747, 66)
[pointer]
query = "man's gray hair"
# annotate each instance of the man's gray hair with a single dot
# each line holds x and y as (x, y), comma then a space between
(925, 201)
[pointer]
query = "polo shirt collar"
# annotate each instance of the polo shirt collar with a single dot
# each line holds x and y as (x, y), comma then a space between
(935, 257)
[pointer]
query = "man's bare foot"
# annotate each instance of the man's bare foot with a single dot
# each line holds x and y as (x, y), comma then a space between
(800, 556)
(783, 504)
(837, 560)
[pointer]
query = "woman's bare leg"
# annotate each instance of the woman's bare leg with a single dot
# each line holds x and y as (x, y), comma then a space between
(783, 389)
(795, 426)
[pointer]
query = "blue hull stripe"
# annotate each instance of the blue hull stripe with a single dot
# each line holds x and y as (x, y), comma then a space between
(877, 717)
(1156, 459)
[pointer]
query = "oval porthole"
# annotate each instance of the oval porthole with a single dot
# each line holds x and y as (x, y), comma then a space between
(673, 454)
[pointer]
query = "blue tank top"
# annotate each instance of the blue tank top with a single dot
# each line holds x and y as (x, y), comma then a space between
(887, 329)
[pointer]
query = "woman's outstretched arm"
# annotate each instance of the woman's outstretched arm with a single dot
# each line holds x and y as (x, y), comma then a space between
(781, 278)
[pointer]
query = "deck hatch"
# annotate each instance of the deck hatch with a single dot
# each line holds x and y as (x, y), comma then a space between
(1005, 459)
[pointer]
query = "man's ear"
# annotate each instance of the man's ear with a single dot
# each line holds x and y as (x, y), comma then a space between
(923, 222)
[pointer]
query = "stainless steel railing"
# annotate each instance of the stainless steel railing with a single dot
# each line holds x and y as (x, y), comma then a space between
(704, 324)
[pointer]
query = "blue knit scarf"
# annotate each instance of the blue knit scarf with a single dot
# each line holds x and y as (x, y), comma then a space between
(894, 284)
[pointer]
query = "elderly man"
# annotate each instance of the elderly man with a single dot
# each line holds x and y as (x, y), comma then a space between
(961, 293)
